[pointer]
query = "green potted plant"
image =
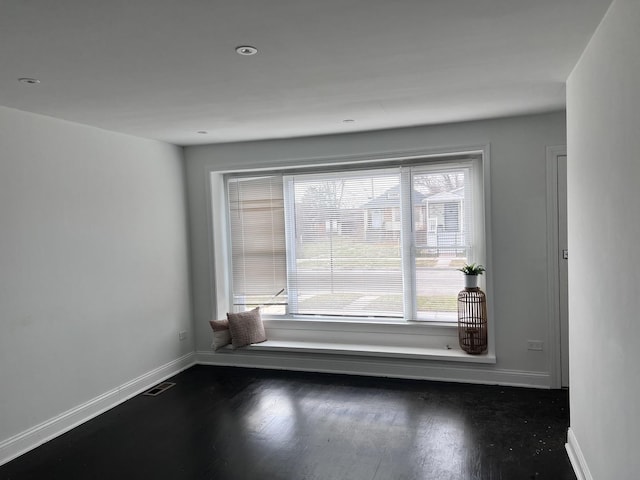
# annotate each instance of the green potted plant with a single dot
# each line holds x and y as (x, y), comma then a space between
(471, 272)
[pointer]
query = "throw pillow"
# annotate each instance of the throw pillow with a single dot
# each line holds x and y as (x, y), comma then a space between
(246, 328)
(221, 333)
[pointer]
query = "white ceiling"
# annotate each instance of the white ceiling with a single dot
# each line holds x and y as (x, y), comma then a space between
(166, 69)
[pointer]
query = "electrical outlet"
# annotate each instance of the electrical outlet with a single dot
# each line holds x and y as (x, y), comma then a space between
(182, 335)
(535, 345)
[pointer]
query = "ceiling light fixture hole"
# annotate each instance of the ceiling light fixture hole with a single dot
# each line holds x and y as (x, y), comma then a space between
(246, 50)
(29, 81)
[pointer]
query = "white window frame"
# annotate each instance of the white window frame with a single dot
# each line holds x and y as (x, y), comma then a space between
(220, 260)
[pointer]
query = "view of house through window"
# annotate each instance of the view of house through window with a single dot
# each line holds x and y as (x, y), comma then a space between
(346, 250)
(381, 243)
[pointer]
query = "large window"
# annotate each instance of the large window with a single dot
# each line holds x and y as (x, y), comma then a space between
(381, 243)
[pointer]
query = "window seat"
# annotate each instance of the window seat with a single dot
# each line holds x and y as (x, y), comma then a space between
(452, 354)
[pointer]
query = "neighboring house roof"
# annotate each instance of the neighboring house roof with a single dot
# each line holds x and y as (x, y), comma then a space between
(444, 197)
(390, 198)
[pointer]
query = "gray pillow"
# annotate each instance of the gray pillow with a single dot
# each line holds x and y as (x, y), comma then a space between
(246, 328)
(221, 333)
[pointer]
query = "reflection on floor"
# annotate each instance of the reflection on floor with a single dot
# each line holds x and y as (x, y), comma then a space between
(232, 423)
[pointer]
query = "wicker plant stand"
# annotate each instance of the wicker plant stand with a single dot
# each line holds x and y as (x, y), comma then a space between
(472, 320)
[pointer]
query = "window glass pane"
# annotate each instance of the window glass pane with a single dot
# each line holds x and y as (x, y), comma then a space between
(336, 243)
(443, 237)
(258, 253)
(347, 244)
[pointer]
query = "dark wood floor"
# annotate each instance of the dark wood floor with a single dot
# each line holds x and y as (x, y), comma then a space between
(230, 423)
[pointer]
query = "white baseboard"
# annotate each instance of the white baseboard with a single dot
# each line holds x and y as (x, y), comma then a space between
(380, 367)
(35, 436)
(576, 457)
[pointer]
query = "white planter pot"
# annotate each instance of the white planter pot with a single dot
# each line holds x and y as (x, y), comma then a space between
(471, 281)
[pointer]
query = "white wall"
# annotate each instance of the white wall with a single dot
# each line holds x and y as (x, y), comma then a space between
(93, 264)
(518, 183)
(603, 108)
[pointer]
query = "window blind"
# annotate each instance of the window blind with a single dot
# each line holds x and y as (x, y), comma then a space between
(345, 256)
(380, 242)
(258, 246)
(443, 237)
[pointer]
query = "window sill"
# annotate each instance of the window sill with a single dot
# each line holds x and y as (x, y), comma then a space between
(409, 340)
(452, 354)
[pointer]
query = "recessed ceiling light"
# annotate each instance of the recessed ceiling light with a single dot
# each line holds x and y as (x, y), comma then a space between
(246, 50)
(202, 132)
(348, 120)
(29, 81)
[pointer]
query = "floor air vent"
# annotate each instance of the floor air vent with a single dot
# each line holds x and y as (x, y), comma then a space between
(158, 389)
